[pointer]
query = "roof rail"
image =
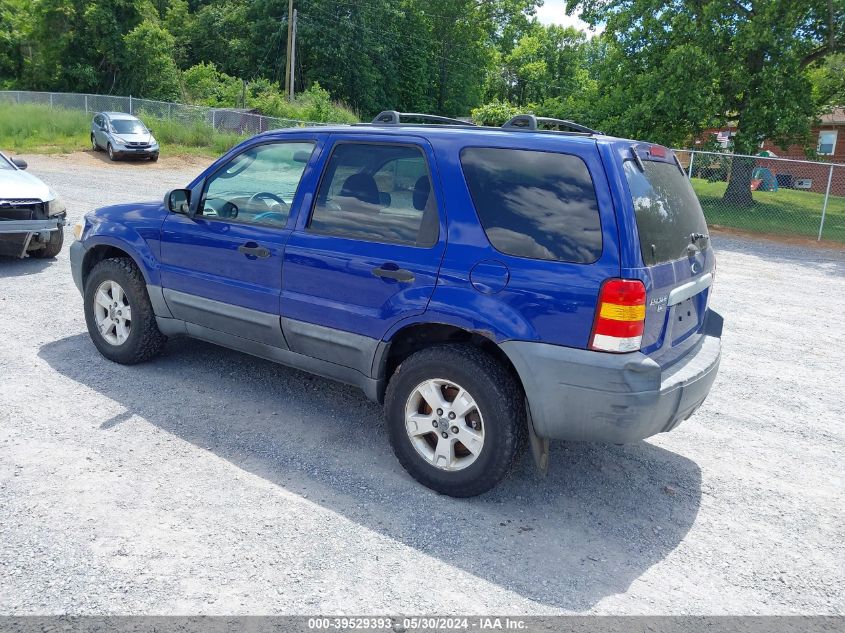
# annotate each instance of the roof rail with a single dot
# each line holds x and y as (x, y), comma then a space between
(529, 122)
(392, 117)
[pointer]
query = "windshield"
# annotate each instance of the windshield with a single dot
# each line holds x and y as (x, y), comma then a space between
(127, 126)
(668, 212)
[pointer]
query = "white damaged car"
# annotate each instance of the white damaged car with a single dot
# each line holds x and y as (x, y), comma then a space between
(31, 216)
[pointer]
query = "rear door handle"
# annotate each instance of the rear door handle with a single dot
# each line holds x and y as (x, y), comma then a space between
(251, 249)
(399, 274)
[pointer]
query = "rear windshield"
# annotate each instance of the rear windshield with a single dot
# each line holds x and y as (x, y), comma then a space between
(535, 204)
(668, 212)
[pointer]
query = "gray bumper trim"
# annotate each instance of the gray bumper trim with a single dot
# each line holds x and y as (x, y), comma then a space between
(578, 394)
(77, 254)
(31, 226)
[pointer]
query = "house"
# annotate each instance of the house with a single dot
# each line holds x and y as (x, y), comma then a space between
(829, 139)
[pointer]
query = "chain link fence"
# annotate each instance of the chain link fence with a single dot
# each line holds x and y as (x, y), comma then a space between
(785, 196)
(237, 121)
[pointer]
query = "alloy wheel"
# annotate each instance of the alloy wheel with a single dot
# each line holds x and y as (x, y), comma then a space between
(112, 312)
(444, 424)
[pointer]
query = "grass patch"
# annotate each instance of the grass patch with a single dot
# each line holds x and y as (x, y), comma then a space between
(782, 212)
(39, 129)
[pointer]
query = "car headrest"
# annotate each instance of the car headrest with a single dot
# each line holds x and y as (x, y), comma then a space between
(361, 186)
(421, 191)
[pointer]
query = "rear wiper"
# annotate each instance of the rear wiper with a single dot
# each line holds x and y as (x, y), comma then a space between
(637, 158)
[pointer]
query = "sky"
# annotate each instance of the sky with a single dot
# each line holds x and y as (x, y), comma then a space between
(553, 12)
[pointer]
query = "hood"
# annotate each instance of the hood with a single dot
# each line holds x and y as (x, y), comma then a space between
(143, 137)
(16, 184)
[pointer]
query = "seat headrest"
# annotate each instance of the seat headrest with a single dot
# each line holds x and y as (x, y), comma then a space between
(361, 186)
(421, 191)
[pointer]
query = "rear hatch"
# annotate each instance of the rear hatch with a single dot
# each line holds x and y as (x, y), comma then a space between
(674, 242)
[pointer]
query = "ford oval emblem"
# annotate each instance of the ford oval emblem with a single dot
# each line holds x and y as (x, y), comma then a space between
(696, 268)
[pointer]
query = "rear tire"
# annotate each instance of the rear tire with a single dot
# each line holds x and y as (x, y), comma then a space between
(94, 145)
(496, 424)
(144, 340)
(53, 247)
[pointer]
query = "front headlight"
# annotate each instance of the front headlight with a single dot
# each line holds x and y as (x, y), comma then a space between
(120, 140)
(78, 229)
(55, 207)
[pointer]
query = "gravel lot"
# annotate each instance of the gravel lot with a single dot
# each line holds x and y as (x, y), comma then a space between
(210, 482)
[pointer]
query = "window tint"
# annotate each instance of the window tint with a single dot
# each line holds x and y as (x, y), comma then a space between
(257, 186)
(535, 204)
(668, 212)
(379, 193)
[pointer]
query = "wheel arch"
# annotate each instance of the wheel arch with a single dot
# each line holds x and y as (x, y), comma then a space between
(109, 249)
(413, 337)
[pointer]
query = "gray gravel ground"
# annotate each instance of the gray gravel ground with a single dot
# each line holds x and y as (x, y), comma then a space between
(211, 482)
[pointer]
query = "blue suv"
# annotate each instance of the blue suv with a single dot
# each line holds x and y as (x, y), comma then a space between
(491, 287)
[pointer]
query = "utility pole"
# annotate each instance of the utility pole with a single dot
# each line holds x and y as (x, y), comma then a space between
(293, 58)
(290, 48)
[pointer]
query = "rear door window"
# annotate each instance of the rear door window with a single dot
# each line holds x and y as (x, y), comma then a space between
(535, 204)
(667, 209)
(379, 193)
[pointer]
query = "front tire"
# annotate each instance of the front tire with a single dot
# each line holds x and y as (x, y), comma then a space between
(153, 158)
(112, 155)
(118, 313)
(53, 247)
(456, 419)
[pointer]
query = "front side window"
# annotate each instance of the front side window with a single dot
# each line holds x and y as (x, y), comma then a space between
(258, 185)
(535, 204)
(378, 193)
(827, 142)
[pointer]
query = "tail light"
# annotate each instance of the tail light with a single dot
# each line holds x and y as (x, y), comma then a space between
(620, 316)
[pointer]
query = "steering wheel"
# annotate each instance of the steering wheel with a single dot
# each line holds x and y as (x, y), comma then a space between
(264, 196)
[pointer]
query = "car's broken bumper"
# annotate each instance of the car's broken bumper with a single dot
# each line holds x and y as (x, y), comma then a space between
(17, 235)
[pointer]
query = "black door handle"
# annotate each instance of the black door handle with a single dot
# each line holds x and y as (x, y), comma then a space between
(253, 251)
(399, 274)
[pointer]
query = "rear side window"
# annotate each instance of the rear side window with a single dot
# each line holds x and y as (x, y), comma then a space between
(379, 193)
(533, 204)
(668, 212)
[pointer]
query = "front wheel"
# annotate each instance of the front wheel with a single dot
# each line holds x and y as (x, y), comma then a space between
(456, 419)
(112, 155)
(118, 313)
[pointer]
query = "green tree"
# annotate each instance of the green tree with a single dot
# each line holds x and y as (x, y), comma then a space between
(673, 68)
(148, 67)
(13, 23)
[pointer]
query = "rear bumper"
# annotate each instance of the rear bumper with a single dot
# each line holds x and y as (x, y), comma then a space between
(578, 394)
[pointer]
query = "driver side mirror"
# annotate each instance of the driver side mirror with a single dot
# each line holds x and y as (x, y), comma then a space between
(178, 201)
(20, 163)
